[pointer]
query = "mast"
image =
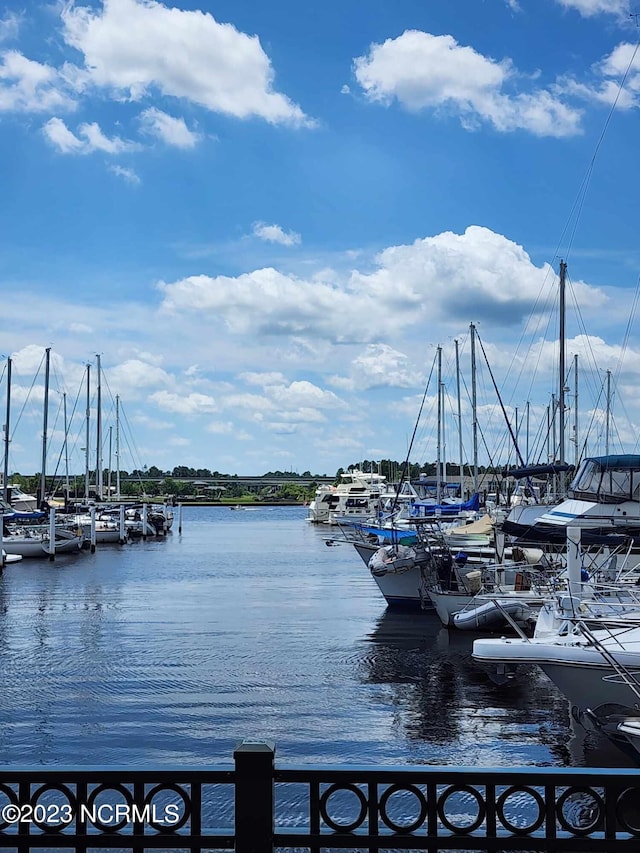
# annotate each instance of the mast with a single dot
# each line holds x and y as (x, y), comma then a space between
(66, 448)
(439, 450)
(99, 471)
(561, 407)
(109, 467)
(527, 422)
(87, 422)
(474, 407)
(5, 481)
(461, 460)
(118, 447)
(575, 409)
(606, 434)
(45, 423)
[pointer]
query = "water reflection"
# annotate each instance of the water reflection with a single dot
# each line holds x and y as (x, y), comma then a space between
(442, 697)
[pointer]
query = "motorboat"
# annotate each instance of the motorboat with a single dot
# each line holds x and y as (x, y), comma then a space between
(356, 496)
(589, 648)
(602, 499)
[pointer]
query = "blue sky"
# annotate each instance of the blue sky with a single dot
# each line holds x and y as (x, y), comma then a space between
(265, 217)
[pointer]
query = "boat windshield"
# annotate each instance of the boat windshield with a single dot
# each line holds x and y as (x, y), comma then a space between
(608, 483)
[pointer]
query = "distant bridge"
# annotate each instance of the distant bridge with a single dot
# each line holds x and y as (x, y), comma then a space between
(241, 481)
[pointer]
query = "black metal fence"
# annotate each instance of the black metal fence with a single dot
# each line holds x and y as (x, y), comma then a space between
(254, 806)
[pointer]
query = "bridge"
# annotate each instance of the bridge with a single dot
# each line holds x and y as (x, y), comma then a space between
(239, 480)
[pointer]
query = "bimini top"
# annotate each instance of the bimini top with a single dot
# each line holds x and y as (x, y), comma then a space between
(539, 470)
(622, 460)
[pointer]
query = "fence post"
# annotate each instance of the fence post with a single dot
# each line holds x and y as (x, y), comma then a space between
(254, 796)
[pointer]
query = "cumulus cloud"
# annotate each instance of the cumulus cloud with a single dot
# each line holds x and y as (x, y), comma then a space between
(172, 131)
(188, 404)
(133, 47)
(276, 234)
(90, 138)
(378, 366)
(136, 373)
(478, 275)
(423, 71)
(29, 86)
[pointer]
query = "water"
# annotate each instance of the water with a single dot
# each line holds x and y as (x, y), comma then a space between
(247, 626)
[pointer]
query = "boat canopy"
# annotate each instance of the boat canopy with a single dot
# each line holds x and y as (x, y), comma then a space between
(539, 470)
(620, 461)
(425, 508)
(608, 479)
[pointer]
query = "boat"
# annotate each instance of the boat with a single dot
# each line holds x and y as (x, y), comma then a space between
(356, 496)
(586, 664)
(10, 558)
(34, 541)
(19, 500)
(486, 614)
(603, 498)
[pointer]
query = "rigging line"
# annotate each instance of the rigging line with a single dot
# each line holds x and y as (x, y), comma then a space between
(504, 412)
(625, 340)
(26, 400)
(405, 464)
(582, 193)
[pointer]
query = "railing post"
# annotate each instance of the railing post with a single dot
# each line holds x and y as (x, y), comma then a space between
(254, 796)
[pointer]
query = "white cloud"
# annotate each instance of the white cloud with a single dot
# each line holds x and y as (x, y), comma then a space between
(589, 8)
(221, 428)
(423, 71)
(189, 404)
(478, 275)
(378, 366)
(135, 373)
(80, 329)
(623, 63)
(128, 175)
(172, 131)
(275, 234)
(90, 138)
(263, 379)
(177, 441)
(303, 394)
(132, 47)
(10, 26)
(28, 86)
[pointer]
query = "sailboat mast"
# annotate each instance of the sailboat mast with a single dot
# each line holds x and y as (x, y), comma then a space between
(474, 407)
(575, 410)
(439, 449)
(66, 447)
(118, 447)
(561, 407)
(606, 435)
(460, 458)
(87, 423)
(99, 472)
(45, 423)
(5, 481)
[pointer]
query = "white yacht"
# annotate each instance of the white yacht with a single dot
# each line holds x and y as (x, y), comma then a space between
(357, 496)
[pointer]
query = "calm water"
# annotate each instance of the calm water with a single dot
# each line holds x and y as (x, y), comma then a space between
(248, 626)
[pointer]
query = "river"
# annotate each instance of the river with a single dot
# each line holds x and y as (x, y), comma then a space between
(246, 625)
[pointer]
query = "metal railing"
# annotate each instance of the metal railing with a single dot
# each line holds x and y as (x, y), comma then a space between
(254, 806)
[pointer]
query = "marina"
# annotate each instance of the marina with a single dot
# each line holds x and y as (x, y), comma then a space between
(168, 652)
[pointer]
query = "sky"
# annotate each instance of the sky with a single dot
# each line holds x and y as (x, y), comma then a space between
(266, 218)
